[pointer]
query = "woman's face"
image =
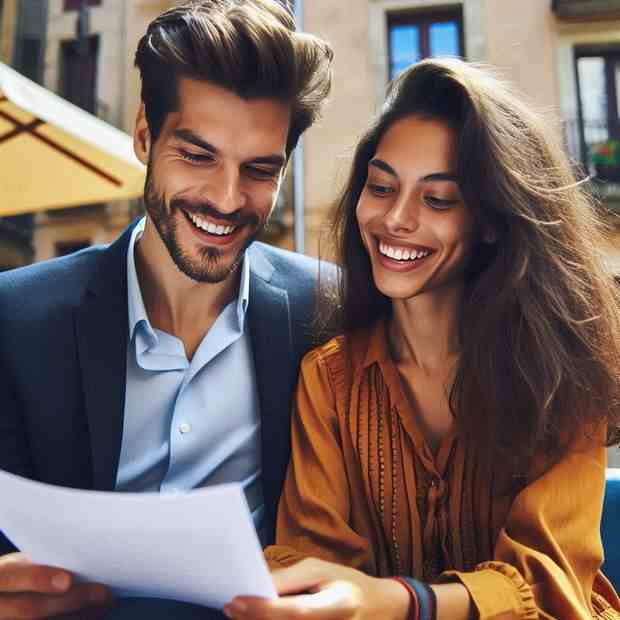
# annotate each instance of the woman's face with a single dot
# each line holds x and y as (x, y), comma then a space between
(416, 228)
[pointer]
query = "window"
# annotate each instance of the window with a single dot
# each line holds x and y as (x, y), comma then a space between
(30, 34)
(74, 5)
(68, 247)
(418, 35)
(598, 125)
(78, 72)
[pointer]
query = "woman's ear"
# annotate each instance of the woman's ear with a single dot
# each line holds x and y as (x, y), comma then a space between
(142, 137)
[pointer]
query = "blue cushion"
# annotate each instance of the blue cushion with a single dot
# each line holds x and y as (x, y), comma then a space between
(610, 530)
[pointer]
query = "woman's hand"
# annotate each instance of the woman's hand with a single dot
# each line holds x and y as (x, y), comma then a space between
(314, 589)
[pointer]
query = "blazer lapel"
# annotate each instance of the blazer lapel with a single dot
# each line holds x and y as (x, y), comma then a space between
(270, 329)
(102, 333)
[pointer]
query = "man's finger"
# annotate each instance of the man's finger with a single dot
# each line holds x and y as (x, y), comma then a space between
(19, 575)
(32, 606)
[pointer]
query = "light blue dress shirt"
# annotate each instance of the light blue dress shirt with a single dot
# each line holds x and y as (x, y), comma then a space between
(195, 423)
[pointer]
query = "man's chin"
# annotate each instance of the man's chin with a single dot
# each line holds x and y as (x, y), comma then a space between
(212, 271)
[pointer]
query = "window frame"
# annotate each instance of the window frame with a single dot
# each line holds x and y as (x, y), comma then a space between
(424, 18)
(69, 49)
(74, 5)
(609, 51)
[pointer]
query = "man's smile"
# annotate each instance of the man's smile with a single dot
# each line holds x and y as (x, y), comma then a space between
(209, 226)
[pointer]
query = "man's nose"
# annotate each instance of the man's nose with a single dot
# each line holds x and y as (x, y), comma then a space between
(227, 191)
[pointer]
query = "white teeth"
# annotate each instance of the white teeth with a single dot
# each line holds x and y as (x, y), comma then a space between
(401, 254)
(209, 227)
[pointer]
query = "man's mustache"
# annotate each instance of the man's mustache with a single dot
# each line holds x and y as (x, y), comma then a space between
(207, 210)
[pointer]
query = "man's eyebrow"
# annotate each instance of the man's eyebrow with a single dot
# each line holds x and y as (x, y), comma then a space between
(270, 160)
(187, 135)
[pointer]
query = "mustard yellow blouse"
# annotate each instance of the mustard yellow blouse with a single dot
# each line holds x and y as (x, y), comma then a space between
(363, 489)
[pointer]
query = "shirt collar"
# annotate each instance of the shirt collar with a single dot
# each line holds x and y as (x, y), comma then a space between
(137, 311)
(377, 348)
(243, 300)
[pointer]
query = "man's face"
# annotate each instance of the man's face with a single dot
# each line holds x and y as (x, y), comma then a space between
(213, 175)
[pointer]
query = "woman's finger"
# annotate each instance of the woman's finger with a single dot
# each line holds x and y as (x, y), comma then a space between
(307, 575)
(337, 601)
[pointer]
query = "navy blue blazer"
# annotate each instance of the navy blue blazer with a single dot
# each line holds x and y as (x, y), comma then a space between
(63, 342)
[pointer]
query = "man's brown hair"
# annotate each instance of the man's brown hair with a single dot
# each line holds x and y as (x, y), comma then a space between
(249, 47)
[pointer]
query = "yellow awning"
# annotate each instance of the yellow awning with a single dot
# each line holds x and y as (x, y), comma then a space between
(55, 155)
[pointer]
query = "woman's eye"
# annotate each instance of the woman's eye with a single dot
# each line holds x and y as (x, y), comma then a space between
(439, 203)
(379, 190)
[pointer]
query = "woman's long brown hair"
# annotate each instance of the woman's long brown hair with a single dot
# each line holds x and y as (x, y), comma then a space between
(540, 325)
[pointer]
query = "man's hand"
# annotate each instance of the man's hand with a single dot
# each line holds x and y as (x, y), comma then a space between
(317, 590)
(30, 592)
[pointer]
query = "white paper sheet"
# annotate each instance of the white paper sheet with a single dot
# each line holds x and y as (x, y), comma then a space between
(199, 547)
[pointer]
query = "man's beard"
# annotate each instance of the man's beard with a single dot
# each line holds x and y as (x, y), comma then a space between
(207, 268)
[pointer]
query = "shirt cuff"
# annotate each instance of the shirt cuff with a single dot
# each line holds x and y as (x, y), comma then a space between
(497, 590)
(280, 556)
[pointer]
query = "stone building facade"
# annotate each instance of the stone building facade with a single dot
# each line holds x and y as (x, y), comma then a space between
(532, 42)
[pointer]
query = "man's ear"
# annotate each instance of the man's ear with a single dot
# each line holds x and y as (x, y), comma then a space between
(142, 137)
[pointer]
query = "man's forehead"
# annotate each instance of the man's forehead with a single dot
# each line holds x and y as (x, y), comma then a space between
(223, 119)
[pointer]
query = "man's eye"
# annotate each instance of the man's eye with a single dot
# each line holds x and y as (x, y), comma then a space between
(195, 158)
(439, 203)
(262, 173)
(379, 190)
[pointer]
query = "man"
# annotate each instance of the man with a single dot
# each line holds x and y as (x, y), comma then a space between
(167, 360)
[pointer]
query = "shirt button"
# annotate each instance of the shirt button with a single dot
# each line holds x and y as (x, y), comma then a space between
(185, 428)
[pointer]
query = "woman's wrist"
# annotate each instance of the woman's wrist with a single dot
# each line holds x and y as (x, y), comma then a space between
(397, 600)
(422, 599)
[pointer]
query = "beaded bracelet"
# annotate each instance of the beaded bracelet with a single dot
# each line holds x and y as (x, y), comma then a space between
(423, 604)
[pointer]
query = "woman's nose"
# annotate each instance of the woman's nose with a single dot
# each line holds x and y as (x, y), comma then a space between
(403, 216)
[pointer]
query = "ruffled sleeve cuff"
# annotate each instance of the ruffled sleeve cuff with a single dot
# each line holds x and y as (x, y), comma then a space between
(280, 556)
(498, 590)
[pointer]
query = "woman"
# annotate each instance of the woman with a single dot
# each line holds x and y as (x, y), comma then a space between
(455, 432)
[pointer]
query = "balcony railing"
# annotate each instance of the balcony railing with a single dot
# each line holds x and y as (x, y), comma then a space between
(586, 9)
(598, 153)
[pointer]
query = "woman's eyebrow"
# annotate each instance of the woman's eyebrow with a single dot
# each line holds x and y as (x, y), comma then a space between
(441, 176)
(379, 163)
(433, 176)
